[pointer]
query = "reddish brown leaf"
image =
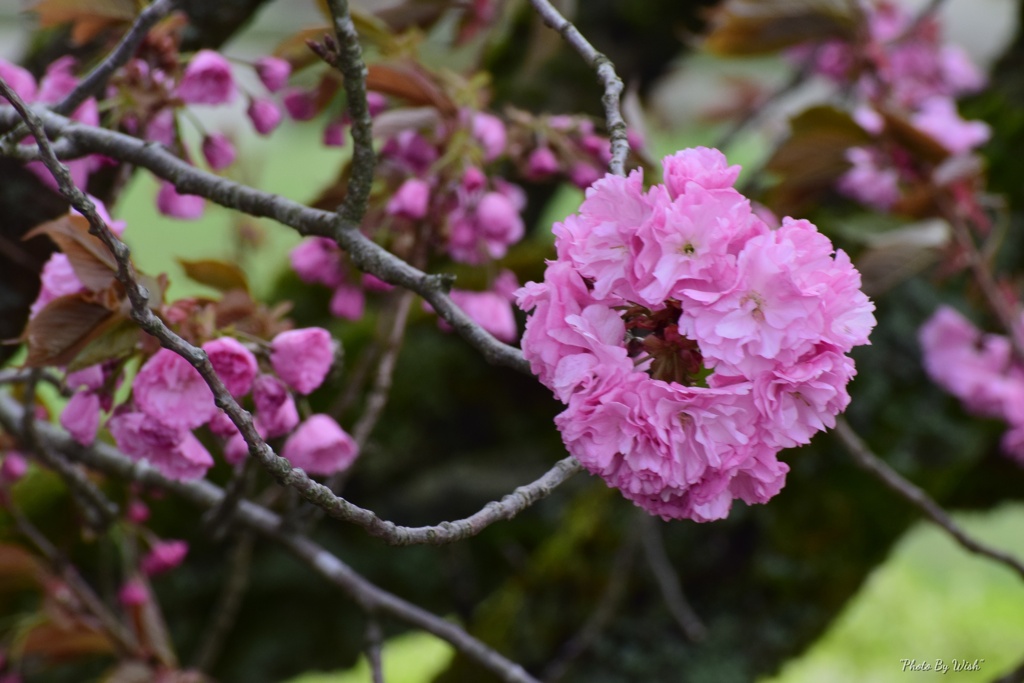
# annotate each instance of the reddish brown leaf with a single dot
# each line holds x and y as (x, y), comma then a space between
(922, 146)
(88, 17)
(745, 27)
(63, 328)
(19, 568)
(220, 275)
(92, 261)
(63, 641)
(812, 158)
(411, 83)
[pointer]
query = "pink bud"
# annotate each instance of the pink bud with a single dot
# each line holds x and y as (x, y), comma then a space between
(347, 302)
(583, 175)
(138, 512)
(13, 467)
(207, 80)
(489, 131)
(411, 199)
(300, 104)
(320, 446)
(133, 593)
(302, 358)
(273, 72)
(542, 163)
(473, 179)
(219, 151)
(334, 134)
(318, 260)
(264, 114)
(164, 556)
(188, 207)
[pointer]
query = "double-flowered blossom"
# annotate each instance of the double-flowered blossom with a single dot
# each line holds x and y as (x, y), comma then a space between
(689, 341)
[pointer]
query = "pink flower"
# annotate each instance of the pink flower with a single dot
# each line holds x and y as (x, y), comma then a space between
(58, 81)
(706, 167)
(58, 279)
(175, 453)
(81, 417)
(485, 232)
(264, 114)
(164, 556)
(162, 128)
(689, 342)
(320, 446)
(187, 207)
(411, 199)
(869, 181)
(318, 260)
(410, 151)
(300, 104)
(489, 131)
(939, 118)
(276, 414)
(20, 80)
(302, 358)
(490, 310)
(348, 302)
(541, 163)
(583, 175)
(207, 80)
(221, 425)
(218, 151)
(273, 72)
(233, 363)
(170, 390)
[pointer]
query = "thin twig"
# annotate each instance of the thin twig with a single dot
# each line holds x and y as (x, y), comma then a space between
(606, 75)
(668, 581)
(366, 254)
(917, 497)
(381, 389)
(108, 459)
(374, 641)
(225, 611)
(605, 609)
(120, 635)
(117, 58)
(349, 61)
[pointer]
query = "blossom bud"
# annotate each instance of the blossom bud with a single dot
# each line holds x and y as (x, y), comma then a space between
(163, 557)
(273, 72)
(218, 151)
(411, 199)
(169, 202)
(264, 114)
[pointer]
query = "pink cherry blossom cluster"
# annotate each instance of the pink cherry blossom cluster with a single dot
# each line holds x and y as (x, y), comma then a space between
(470, 216)
(689, 341)
(170, 399)
(979, 369)
(900, 66)
(151, 89)
(548, 147)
